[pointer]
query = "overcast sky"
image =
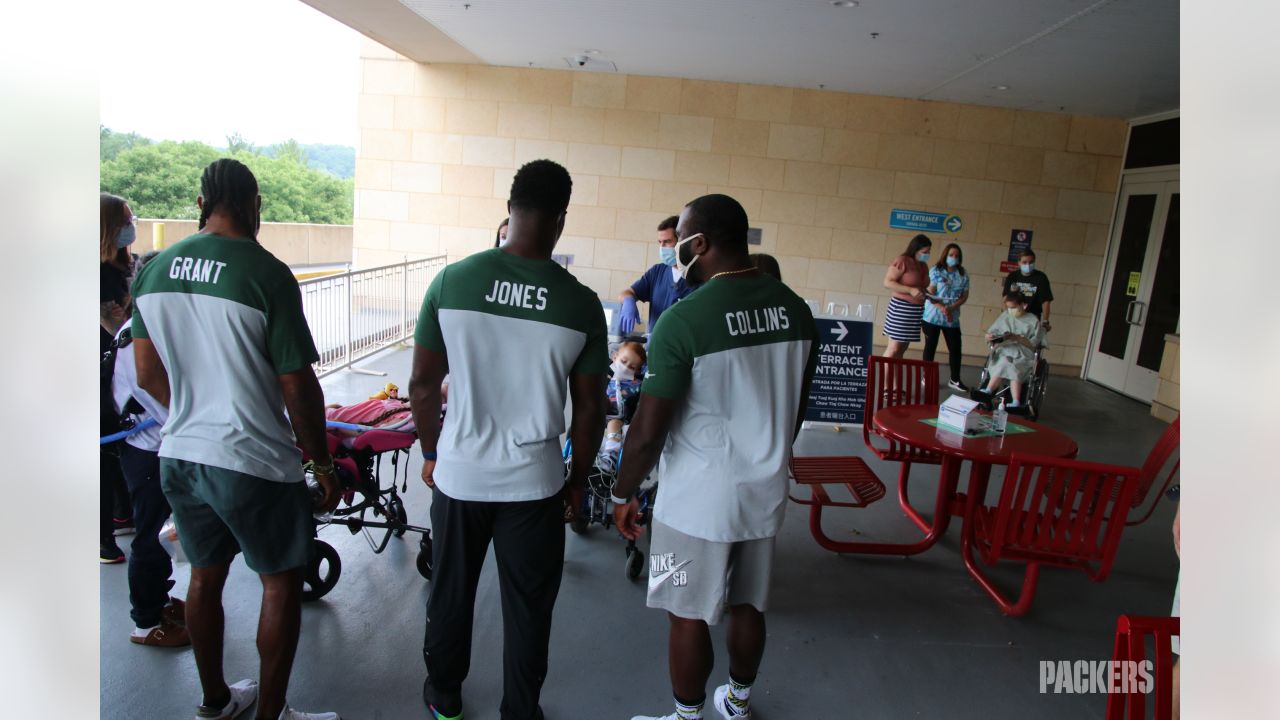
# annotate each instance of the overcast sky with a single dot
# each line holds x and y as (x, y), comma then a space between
(268, 69)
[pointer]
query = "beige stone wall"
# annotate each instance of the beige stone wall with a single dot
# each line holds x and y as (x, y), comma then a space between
(1168, 388)
(294, 243)
(818, 171)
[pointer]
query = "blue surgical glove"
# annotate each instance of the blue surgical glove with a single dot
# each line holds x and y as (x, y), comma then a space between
(629, 316)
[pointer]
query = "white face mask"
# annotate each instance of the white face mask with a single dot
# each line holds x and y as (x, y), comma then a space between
(622, 372)
(1015, 312)
(684, 269)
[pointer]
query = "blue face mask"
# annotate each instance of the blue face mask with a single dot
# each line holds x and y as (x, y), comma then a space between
(952, 261)
(126, 236)
(923, 257)
(1027, 268)
(667, 255)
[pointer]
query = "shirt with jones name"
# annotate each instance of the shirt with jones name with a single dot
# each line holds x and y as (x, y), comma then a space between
(513, 330)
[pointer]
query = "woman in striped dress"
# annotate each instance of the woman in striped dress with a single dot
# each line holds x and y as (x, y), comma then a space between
(907, 277)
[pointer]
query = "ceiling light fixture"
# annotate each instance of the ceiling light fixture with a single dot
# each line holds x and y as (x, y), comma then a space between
(591, 51)
(1000, 87)
(845, 3)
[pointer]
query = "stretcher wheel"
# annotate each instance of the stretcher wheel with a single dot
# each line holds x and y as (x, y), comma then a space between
(401, 517)
(424, 557)
(635, 563)
(322, 572)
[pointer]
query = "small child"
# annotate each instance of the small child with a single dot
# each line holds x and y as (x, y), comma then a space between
(1018, 333)
(628, 360)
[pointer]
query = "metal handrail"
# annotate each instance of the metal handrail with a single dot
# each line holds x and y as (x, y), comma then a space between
(354, 315)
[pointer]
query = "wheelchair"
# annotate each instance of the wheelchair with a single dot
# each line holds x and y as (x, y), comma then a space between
(1033, 391)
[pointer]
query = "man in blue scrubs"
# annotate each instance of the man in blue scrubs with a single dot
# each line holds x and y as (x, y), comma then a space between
(661, 285)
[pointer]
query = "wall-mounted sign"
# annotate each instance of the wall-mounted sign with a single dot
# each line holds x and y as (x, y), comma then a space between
(1135, 279)
(1019, 241)
(924, 221)
(754, 236)
(565, 260)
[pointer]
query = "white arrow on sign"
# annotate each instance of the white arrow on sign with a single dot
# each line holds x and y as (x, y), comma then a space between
(954, 224)
(841, 333)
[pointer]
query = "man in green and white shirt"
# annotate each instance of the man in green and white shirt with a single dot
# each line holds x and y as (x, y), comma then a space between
(722, 401)
(511, 328)
(221, 340)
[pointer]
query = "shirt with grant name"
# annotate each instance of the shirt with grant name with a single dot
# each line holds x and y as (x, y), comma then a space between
(735, 354)
(513, 331)
(226, 318)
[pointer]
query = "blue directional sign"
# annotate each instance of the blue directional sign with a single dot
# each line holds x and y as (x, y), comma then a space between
(839, 387)
(924, 221)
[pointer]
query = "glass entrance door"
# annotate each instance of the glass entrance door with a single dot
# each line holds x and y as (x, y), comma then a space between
(1141, 297)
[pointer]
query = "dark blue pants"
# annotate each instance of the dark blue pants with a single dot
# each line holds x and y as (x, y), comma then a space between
(149, 564)
(113, 495)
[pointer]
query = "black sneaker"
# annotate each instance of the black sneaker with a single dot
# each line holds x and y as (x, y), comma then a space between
(123, 526)
(957, 385)
(110, 554)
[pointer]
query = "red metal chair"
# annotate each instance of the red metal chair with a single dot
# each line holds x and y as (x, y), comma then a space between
(1131, 635)
(896, 381)
(1164, 449)
(851, 472)
(1051, 511)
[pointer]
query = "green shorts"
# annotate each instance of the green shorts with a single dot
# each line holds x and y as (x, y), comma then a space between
(222, 512)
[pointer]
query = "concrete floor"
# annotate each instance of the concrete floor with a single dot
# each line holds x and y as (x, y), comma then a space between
(849, 637)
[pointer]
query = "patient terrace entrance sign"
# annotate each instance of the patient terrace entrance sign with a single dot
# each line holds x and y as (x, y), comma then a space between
(924, 221)
(839, 384)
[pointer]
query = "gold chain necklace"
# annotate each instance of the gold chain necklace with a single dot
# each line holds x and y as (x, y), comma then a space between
(732, 272)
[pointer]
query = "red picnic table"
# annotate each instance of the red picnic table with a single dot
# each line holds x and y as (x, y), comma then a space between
(907, 424)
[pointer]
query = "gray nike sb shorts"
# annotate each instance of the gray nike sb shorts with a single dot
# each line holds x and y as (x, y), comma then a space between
(696, 579)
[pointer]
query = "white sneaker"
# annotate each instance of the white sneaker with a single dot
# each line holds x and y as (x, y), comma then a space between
(243, 694)
(721, 701)
(289, 713)
(672, 716)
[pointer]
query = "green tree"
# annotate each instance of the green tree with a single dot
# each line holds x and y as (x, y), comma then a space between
(289, 150)
(159, 180)
(236, 143)
(111, 143)
(162, 180)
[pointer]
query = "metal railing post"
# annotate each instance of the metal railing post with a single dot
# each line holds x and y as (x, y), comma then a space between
(404, 301)
(350, 312)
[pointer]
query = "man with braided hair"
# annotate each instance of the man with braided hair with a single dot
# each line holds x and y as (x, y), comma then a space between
(220, 339)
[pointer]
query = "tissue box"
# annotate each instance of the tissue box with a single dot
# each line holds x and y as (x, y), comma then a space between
(960, 414)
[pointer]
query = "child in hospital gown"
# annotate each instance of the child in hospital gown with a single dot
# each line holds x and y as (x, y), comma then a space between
(1014, 359)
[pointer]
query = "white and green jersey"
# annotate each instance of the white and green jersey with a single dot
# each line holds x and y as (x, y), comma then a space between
(736, 352)
(513, 330)
(226, 318)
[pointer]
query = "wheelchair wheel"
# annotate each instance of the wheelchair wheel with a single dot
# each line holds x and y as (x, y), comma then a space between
(635, 563)
(424, 557)
(396, 506)
(1037, 392)
(322, 572)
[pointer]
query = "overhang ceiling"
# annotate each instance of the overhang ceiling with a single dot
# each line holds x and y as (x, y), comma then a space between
(1095, 57)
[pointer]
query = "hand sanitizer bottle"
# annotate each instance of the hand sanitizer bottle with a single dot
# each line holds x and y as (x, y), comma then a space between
(1000, 418)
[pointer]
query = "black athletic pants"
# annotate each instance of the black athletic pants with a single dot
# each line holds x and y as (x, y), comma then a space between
(528, 540)
(952, 335)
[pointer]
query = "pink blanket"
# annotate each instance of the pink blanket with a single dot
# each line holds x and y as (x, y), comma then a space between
(384, 414)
